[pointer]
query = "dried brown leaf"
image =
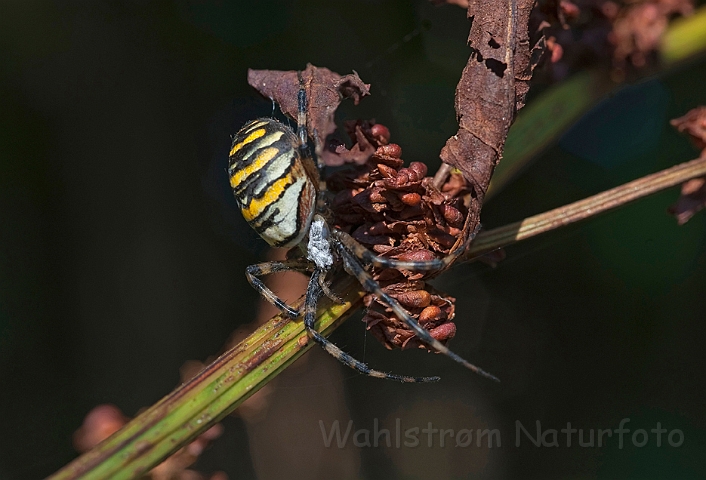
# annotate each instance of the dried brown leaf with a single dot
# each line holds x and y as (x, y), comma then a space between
(324, 90)
(359, 153)
(493, 86)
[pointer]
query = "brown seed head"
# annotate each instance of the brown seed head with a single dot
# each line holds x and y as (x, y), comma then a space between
(397, 212)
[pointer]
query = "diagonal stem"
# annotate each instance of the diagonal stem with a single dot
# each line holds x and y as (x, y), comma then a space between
(588, 207)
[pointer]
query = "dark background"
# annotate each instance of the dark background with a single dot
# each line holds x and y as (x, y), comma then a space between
(122, 254)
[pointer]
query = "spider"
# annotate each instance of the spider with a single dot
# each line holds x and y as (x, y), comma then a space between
(276, 185)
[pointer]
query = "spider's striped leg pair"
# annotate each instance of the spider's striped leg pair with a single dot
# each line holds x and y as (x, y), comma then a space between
(253, 272)
(313, 292)
(437, 264)
(354, 267)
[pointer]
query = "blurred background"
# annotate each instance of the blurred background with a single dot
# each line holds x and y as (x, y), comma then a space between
(122, 253)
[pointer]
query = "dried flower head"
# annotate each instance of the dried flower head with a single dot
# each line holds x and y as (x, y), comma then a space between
(397, 212)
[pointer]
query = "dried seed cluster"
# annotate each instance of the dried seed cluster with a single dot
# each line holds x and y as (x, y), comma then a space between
(623, 33)
(397, 212)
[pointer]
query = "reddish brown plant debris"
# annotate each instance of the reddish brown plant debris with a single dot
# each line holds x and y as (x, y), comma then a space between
(692, 200)
(618, 35)
(396, 212)
(638, 29)
(694, 125)
(176, 466)
(104, 420)
(324, 91)
(436, 316)
(555, 49)
(505, 49)
(568, 11)
(693, 192)
(576, 36)
(361, 150)
(99, 424)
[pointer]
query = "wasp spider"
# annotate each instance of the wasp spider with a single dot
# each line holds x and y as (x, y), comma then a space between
(275, 183)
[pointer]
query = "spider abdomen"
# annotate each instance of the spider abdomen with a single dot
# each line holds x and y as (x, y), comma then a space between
(270, 182)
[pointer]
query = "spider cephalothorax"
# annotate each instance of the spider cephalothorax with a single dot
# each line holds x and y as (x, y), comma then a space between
(275, 183)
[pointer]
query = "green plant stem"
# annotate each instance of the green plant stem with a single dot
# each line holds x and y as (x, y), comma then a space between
(204, 400)
(195, 406)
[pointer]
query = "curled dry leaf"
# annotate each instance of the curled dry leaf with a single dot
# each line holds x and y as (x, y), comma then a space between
(324, 91)
(492, 88)
(693, 192)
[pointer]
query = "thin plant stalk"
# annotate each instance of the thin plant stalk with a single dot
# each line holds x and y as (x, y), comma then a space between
(588, 207)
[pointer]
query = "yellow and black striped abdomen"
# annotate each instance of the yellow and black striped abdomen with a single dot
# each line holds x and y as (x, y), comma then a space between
(270, 183)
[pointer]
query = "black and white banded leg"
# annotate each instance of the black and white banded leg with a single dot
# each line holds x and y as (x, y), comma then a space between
(369, 258)
(313, 292)
(354, 267)
(253, 272)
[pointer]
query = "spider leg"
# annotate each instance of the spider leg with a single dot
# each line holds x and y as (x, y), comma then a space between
(255, 271)
(353, 265)
(436, 264)
(313, 292)
(301, 118)
(326, 288)
(301, 110)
